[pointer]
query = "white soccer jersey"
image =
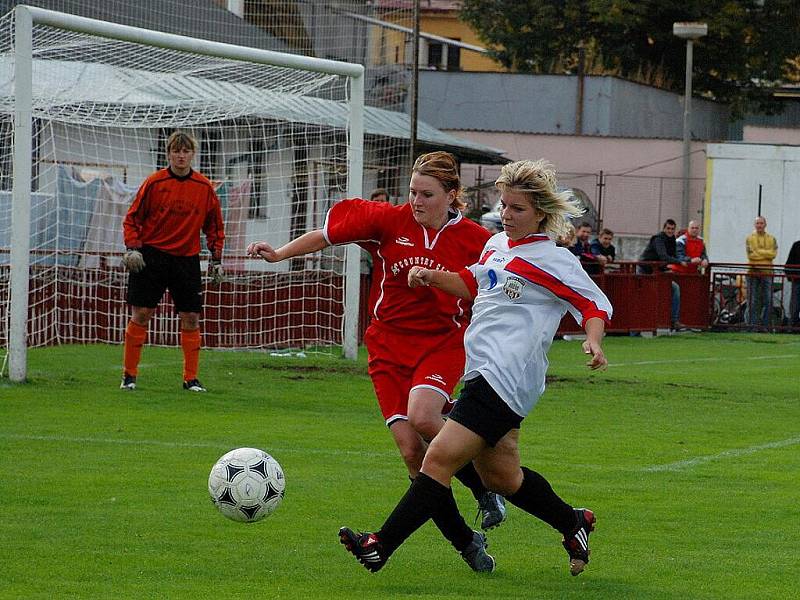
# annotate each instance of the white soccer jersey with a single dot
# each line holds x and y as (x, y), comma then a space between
(524, 288)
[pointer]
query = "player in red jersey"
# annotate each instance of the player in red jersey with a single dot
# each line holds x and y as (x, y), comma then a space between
(415, 338)
(161, 233)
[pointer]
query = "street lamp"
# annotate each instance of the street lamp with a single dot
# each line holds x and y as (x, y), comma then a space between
(688, 32)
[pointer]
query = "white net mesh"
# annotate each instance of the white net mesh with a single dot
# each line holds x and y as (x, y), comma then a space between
(272, 139)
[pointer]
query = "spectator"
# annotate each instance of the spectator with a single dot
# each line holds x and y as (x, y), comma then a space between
(691, 250)
(582, 248)
(602, 249)
(762, 248)
(793, 275)
(379, 195)
(662, 247)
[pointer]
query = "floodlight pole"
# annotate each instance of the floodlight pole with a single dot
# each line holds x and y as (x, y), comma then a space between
(689, 32)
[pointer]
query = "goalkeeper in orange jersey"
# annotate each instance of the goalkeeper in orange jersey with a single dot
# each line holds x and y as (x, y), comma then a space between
(161, 231)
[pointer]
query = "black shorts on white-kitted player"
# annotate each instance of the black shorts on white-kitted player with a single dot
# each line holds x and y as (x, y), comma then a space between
(483, 412)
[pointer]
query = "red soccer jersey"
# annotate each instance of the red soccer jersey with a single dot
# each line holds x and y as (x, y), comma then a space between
(169, 212)
(397, 243)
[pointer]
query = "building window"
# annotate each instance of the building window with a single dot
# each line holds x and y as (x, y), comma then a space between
(439, 58)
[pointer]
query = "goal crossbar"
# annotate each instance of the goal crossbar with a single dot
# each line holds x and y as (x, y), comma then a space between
(25, 18)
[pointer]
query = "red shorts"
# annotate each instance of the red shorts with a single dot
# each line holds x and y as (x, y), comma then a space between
(401, 362)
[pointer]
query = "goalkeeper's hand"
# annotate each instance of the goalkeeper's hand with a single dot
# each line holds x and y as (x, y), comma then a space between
(215, 271)
(133, 260)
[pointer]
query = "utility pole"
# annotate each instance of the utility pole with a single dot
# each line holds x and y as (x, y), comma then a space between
(688, 32)
(414, 88)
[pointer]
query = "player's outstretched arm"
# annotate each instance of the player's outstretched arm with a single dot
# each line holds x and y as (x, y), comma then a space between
(595, 327)
(446, 281)
(305, 244)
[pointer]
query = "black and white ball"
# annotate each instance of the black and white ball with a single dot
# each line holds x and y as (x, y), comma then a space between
(246, 484)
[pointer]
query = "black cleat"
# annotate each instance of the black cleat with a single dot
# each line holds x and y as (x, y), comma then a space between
(193, 385)
(128, 382)
(492, 507)
(577, 542)
(475, 554)
(366, 547)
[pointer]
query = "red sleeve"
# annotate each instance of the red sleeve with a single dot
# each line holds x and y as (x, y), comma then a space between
(214, 227)
(357, 220)
(469, 279)
(132, 223)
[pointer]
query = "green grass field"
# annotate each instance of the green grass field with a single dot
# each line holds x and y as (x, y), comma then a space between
(686, 448)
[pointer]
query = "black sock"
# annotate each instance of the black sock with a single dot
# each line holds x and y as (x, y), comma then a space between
(449, 521)
(470, 478)
(537, 497)
(418, 504)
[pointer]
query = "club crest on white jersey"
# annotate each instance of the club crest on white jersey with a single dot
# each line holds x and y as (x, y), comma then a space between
(513, 287)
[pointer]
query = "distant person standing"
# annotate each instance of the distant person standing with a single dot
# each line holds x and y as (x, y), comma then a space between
(793, 275)
(162, 237)
(691, 250)
(662, 247)
(379, 195)
(762, 248)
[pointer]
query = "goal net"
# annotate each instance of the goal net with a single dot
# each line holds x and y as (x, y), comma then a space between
(279, 136)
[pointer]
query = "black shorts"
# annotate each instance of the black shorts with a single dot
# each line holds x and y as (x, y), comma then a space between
(178, 274)
(483, 412)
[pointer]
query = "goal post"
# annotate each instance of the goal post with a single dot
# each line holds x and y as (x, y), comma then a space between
(93, 102)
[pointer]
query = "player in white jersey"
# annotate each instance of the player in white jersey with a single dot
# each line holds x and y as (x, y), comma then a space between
(522, 286)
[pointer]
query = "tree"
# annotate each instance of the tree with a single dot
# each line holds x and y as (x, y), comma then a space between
(752, 46)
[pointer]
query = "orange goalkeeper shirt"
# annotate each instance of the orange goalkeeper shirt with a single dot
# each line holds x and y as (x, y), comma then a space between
(169, 212)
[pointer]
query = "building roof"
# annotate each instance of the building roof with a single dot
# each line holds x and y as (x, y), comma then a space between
(201, 100)
(202, 19)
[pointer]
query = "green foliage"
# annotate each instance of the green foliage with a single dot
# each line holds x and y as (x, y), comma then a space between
(748, 51)
(686, 448)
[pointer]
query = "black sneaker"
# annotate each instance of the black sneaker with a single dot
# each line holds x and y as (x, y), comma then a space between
(193, 385)
(577, 542)
(475, 554)
(128, 382)
(493, 508)
(366, 547)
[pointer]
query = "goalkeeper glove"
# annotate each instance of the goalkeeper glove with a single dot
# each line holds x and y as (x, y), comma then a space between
(133, 260)
(215, 271)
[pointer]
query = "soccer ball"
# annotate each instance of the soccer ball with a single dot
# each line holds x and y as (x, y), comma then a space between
(246, 484)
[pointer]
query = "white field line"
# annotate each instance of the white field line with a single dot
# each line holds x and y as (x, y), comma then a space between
(168, 444)
(703, 359)
(699, 460)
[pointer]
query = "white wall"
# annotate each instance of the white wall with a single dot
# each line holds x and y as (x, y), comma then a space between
(636, 204)
(734, 172)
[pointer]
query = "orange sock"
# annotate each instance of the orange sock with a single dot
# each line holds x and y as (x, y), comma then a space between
(135, 335)
(190, 344)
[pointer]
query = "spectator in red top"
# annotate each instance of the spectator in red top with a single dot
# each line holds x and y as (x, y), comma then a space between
(690, 250)
(415, 339)
(161, 232)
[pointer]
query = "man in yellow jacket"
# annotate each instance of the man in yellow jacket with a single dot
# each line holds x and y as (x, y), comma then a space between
(762, 248)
